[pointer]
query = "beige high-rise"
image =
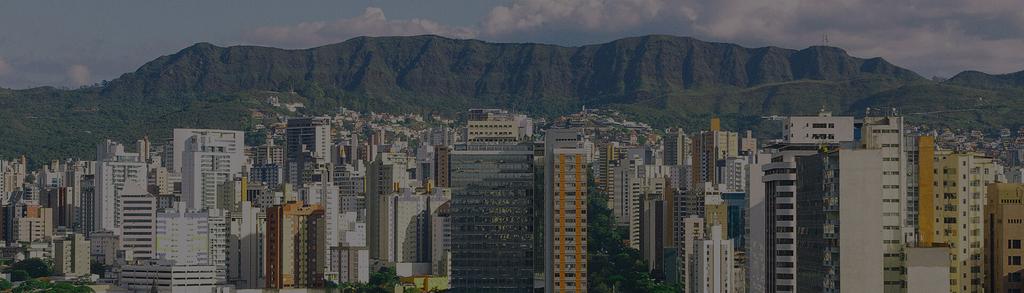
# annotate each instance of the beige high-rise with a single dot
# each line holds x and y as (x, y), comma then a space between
(1005, 231)
(954, 209)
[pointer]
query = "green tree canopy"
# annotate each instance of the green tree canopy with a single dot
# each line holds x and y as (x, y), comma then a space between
(35, 267)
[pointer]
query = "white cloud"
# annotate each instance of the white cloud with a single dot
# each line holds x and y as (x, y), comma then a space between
(589, 15)
(5, 68)
(79, 75)
(371, 23)
(940, 37)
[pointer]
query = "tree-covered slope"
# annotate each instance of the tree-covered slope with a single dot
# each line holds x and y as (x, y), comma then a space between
(665, 80)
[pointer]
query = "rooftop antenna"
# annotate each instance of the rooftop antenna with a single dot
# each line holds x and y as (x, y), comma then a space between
(824, 39)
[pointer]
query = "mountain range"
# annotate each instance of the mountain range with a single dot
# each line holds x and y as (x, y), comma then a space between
(662, 80)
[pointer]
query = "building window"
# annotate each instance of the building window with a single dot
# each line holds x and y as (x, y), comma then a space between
(1014, 243)
(1014, 260)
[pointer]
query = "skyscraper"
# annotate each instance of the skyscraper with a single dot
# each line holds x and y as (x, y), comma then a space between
(677, 147)
(208, 159)
(715, 263)
(803, 136)
(139, 224)
(951, 214)
(229, 139)
(116, 170)
(839, 244)
(308, 143)
(386, 175)
(71, 255)
(565, 210)
(295, 246)
(885, 134)
(1003, 237)
(492, 217)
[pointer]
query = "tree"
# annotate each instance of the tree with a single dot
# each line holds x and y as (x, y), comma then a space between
(383, 280)
(613, 266)
(19, 275)
(35, 267)
(5, 284)
(42, 285)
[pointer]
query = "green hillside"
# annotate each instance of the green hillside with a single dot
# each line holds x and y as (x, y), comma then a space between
(664, 80)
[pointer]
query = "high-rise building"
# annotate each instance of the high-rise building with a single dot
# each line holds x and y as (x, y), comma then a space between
(209, 158)
(441, 167)
(839, 246)
(192, 238)
(1003, 237)
(951, 213)
(182, 237)
(325, 194)
(441, 240)
(708, 148)
(308, 144)
(633, 180)
(387, 174)
(245, 247)
(886, 134)
(565, 210)
(295, 246)
(757, 229)
(693, 235)
(677, 147)
(410, 231)
(492, 210)
(71, 255)
(823, 128)
(103, 247)
(353, 259)
(495, 125)
(34, 224)
(116, 171)
(806, 136)
(716, 257)
(230, 140)
(139, 225)
(608, 155)
(268, 154)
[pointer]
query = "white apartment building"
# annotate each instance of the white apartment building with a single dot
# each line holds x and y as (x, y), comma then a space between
(209, 158)
(716, 261)
(116, 171)
(231, 140)
(886, 135)
(817, 129)
(245, 247)
(139, 223)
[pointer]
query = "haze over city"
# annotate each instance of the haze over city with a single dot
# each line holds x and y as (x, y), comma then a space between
(512, 146)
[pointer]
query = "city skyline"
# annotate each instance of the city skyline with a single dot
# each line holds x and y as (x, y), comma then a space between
(329, 201)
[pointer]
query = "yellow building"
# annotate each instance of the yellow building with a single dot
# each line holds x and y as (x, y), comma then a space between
(566, 209)
(1005, 223)
(952, 208)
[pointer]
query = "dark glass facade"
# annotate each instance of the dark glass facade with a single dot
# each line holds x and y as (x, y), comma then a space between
(493, 245)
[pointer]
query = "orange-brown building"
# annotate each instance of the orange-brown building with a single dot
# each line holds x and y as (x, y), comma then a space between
(1004, 232)
(295, 247)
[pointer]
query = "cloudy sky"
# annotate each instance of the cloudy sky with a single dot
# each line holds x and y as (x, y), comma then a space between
(74, 43)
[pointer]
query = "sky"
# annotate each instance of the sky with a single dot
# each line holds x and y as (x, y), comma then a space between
(76, 43)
